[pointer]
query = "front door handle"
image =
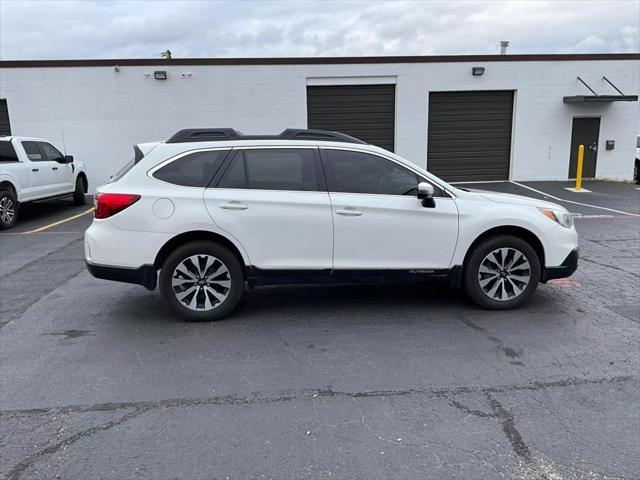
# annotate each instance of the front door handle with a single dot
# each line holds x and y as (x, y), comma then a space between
(349, 212)
(54, 168)
(232, 205)
(35, 169)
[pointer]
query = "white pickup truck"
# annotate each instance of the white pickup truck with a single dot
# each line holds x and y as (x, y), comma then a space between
(32, 169)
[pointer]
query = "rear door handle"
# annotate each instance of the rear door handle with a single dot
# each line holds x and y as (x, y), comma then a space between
(349, 212)
(54, 168)
(232, 205)
(35, 169)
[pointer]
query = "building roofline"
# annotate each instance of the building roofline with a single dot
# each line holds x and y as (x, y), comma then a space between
(316, 60)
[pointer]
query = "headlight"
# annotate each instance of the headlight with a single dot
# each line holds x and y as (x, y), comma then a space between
(564, 218)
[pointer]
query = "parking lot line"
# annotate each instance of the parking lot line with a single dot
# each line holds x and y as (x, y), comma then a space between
(575, 203)
(60, 222)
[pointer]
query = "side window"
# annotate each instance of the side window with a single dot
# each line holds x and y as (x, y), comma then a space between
(7, 152)
(194, 170)
(272, 169)
(51, 153)
(357, 172)
(33, 152)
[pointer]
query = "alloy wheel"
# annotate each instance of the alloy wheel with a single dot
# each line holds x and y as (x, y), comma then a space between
(201, 282)
(504, 274)
(7, 210)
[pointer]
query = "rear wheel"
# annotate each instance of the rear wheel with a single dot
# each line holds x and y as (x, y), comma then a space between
(202, 281)
(502, 272)
(78, 193)
(8, 209)
(636, 171)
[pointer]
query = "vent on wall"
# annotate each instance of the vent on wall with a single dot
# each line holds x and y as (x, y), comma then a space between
(5, 125)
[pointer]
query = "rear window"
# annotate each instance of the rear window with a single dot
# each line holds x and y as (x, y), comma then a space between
(7, 152)
(33, 151)
(193, 170)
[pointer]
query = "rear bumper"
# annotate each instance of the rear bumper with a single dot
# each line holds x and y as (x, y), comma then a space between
(146, 275)
(567, 268)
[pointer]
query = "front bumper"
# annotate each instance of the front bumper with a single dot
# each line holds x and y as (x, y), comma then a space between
(146, 275)
(567, 268)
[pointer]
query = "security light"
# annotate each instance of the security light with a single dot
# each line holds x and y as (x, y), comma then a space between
(160, 75)
(477, 71)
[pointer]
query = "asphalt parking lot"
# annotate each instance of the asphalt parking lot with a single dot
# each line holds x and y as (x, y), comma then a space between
(98, 381)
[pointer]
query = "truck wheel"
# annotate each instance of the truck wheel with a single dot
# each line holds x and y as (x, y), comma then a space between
(502, 272)
(8, 209)
(78, 194)
(202, 281)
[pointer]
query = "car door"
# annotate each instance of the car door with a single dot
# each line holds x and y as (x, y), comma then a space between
(379, 223)
(43, 179)
(274, 202)
(62, 173)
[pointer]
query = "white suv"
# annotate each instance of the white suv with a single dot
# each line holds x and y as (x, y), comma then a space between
(32, 169)
(214, 210)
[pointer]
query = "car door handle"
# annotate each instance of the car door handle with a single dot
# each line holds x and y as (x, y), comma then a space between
(54, 168)
(234, 206)
(35, 169)
(349, 212)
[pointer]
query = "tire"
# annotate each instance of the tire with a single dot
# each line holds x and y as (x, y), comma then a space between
(500, 284)
(78, 194)
(225, 287)
(636, 171)
(8, 209)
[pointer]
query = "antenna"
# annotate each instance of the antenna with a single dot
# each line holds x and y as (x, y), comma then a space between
(64, 145)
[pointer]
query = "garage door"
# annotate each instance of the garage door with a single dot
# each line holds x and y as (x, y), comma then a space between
(363, 111)
(469, 136)
(5, 126)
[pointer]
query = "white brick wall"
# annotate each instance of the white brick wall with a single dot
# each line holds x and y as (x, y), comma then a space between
(103, 112)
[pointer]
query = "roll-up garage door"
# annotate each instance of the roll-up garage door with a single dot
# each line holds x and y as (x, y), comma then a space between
(469, 136)
(363, 111)
(5, 125)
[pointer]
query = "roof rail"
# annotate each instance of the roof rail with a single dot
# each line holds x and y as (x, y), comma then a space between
(221, 134)
(306, 134)
(204, 135)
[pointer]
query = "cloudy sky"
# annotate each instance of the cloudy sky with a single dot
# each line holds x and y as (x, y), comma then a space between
(57, 29)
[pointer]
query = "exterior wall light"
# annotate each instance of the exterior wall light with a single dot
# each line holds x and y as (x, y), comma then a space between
(477, 71)
(160, 75)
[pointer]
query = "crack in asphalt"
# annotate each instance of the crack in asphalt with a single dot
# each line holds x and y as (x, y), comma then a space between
(614, 267)
(519, 446)
(16, 472)
(13, 282)
(288, 395)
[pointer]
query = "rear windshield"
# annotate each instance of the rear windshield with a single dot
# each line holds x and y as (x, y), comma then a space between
(121, 173)
(7, 152)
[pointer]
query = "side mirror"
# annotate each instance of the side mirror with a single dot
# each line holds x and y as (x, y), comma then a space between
(67, 159)
(425, 193)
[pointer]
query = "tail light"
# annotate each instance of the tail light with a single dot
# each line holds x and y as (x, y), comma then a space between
(108, 204)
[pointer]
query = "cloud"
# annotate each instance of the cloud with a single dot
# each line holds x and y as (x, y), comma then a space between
(115, 29)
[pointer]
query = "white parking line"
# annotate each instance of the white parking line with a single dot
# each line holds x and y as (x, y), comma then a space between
(575, 203)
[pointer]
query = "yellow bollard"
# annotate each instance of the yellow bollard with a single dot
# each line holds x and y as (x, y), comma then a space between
(579, 169)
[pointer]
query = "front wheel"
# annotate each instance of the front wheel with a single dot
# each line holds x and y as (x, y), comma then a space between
(202, 281)
(78, 194)
(8, 209)
(502, 272)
